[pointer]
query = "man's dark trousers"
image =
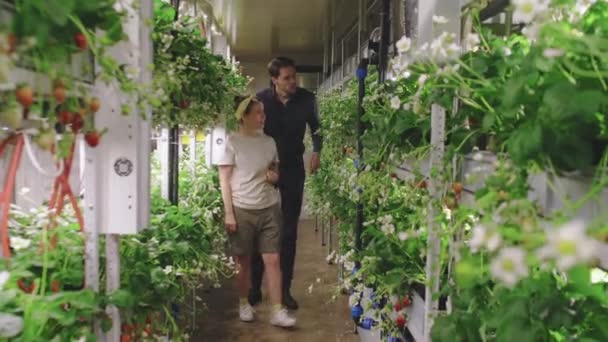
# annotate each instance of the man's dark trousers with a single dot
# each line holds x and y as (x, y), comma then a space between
(291, 186)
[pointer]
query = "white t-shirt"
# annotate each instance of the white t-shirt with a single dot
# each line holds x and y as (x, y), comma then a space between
(251, 157)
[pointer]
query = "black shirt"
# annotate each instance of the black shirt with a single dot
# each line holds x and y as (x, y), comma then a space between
(286, 123)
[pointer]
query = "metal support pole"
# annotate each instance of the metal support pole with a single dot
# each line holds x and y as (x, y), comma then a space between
(385, 24)
(331, 236)
(433, 261)
(174, 144)
(359, 29)
(174, 165)
(323, 242)
(113, 282)
(91, 253)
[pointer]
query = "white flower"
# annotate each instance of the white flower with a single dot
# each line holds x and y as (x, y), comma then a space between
(527, 10)
(19, 243)
(422, 79)
(531, 31)
(387, 226)
(478, 156)
(472, 41)
(553, 52)
(569, 245)
(354, 298)
(506, 52)
(440, 20)
(510, 266)
(4, 275)
(168, 269)
(403, 236)
(10, 325)
(404, 44)
(407, 74)
(395, 102)
(331, 256)
(486, 238)
(407, 106)
(447, 212)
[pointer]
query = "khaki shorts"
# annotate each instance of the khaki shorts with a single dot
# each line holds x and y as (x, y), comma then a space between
(257, 230)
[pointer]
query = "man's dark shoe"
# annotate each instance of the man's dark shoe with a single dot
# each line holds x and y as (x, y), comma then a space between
(289, 302)
(255, 297)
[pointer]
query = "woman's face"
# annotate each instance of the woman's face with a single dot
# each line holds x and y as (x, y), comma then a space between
(256, 117)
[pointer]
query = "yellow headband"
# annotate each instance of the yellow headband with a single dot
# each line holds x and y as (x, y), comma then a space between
(240, 110)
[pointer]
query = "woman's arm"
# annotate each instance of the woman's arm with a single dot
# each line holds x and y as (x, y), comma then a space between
(225, 177)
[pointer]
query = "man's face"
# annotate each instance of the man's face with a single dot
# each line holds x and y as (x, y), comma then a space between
(286, 82)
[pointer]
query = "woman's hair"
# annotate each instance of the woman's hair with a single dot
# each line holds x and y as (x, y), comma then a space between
(239, 99)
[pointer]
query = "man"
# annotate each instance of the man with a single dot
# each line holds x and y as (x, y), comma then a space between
(288, 110)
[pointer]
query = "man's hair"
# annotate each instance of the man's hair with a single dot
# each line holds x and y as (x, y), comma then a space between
(276, 64)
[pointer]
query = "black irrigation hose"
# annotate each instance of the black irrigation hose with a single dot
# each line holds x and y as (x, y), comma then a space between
(494, 7)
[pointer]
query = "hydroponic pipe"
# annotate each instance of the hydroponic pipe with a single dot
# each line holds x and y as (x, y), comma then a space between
(361, 75)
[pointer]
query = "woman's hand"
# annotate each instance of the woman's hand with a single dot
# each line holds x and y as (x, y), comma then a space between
(230, 224)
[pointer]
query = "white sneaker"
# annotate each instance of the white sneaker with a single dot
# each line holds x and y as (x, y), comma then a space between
(246, 313)
(282, 319)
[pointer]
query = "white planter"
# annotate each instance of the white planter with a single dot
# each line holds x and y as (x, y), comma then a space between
(558, 193)
(369, 335)
(476, 168)
(416, 315)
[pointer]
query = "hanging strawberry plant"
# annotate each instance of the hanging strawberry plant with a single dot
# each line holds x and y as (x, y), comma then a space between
(193, 87)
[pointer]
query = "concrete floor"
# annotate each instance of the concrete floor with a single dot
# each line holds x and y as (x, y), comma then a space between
(320, 317)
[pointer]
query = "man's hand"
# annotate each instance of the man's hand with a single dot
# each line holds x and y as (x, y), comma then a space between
(272, 176)
(230, 224)
(315, 162)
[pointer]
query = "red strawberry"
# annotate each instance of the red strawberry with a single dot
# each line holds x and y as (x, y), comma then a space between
(92, 138)
(55, 286)
(77, 123)
(25, 96)
(12, 42)
(65, 117)
(59, 94)
(398, 306)
(457, 187)
(81, 41)
(94, 105)
(406, 301)
(422, 184)
(401, 321)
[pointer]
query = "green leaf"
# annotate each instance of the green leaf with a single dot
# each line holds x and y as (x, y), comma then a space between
(58, 10)
(122, 299)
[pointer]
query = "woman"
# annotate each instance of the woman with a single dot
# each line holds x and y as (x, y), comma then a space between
(248, 175)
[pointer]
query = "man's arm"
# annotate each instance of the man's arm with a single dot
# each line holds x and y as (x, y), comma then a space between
(317, 141)
(315, 126)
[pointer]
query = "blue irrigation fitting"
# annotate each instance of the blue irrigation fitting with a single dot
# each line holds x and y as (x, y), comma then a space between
(361, 73)
(356, 312)
(356, 163)
(354, 271)
(394, 339)
(367, 323)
